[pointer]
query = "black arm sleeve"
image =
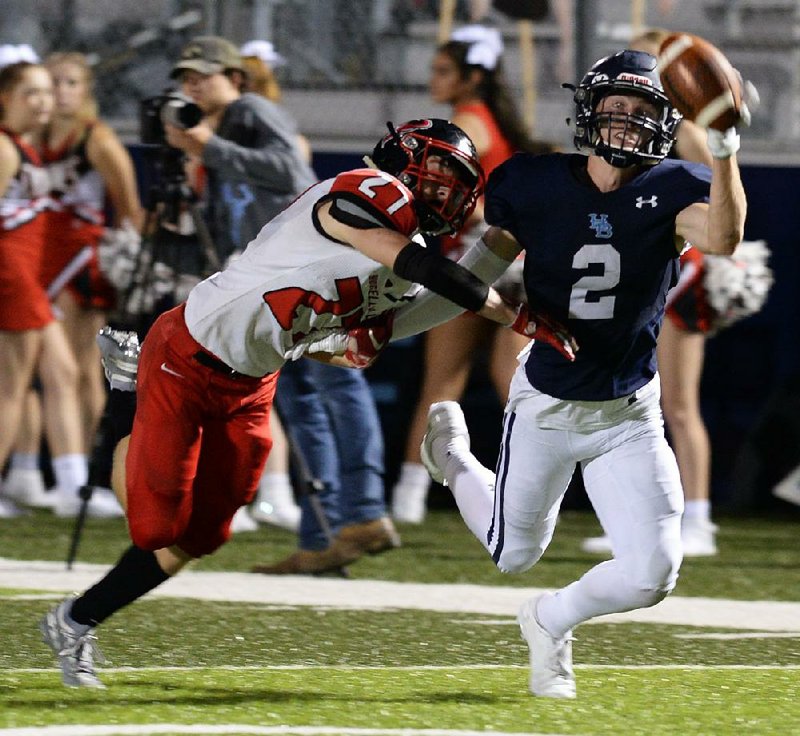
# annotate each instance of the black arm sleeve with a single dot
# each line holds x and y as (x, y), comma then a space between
(448, 279)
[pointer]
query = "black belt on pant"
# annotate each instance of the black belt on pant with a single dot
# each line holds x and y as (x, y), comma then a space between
(215, 364)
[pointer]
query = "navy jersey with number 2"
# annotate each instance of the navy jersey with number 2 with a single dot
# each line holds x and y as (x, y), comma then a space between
(602, 263)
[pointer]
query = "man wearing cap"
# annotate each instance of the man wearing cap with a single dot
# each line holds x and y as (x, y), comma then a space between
(246, 144)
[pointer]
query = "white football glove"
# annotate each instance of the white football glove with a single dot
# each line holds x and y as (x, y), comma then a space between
(334, 343)
(723, 144)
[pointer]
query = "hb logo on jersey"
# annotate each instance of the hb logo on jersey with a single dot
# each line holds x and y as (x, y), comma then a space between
(600, 224)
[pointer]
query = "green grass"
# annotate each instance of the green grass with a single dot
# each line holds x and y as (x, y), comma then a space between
(408, 669)
(611, 702)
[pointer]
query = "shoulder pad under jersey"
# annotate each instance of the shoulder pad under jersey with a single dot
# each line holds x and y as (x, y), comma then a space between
(378, 195)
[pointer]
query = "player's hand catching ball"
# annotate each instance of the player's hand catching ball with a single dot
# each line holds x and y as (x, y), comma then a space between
(705, 88)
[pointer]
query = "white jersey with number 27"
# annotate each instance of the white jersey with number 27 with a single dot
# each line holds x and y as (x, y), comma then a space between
(292, 280)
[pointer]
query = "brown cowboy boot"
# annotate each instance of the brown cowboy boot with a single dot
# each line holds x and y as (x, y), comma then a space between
(371, 537)
(307, 562)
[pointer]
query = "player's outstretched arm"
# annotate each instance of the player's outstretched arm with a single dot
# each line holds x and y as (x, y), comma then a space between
(419, 265)
(717, 227)
(488, 259)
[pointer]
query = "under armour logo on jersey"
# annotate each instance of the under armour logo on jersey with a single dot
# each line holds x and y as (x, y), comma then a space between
(600, 224)
(641, 201)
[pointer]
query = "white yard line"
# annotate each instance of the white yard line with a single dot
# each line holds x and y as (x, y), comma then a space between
(718, 613)
(398, 668)
(244, 730)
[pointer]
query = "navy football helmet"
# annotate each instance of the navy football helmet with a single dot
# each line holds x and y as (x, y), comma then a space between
(640, 139)
(438, 162)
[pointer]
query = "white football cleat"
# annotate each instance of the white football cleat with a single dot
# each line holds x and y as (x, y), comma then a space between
(74, 647)
(698, 537)
(551, 674)
(445, 422)
(119, 354)
(597, 545)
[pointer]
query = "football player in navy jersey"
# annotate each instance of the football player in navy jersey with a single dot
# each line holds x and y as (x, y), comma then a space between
(601, 236)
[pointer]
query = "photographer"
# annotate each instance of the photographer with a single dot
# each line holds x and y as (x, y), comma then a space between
(239, 152)
(246, 145)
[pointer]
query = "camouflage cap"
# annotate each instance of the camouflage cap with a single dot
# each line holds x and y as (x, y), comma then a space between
(208, 55)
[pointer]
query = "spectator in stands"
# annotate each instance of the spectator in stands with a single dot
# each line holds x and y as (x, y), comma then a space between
(332, 420)
(466, 73)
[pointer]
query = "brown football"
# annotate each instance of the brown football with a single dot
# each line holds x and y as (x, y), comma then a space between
(700, 81)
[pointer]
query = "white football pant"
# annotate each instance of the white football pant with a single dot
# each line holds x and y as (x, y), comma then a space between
(631, 478)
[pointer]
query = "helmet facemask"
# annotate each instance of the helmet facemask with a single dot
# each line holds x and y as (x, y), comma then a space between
(445, 187)
(446, 179)
(623, 138)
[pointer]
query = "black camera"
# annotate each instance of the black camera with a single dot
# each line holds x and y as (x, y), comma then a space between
(172, 108)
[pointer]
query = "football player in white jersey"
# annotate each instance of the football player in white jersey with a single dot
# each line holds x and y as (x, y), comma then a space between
(330, 271)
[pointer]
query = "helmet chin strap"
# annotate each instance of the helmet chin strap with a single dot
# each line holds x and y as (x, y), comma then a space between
(618, 159)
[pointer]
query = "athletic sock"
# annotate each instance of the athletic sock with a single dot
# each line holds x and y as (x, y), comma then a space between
(71, 471)
(136, 573)
(413, 474)
(24, 461)
(699, 509)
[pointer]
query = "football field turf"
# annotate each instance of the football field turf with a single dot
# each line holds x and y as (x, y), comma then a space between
(434, 649)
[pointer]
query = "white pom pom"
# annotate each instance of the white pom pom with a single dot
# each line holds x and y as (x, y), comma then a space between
(737, 285)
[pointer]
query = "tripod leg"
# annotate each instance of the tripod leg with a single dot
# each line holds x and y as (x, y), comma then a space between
(85, 493)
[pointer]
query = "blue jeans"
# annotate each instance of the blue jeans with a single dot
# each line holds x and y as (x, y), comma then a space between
(329, 415)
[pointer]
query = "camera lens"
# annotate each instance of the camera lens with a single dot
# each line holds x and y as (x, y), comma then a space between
(180, 113)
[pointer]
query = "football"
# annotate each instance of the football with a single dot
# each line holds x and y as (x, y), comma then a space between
(700, 81)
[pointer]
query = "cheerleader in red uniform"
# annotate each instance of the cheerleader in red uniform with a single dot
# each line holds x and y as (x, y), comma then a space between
(87, 163)
(29, 332)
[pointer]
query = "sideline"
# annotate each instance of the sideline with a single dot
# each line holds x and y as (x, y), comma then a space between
(293, 590)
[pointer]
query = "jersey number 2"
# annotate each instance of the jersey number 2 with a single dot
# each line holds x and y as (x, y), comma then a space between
(581, 306)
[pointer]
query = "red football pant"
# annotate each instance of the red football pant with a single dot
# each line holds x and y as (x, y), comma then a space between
(198, 446)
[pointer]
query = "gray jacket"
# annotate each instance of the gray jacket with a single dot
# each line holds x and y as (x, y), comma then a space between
(255, 169)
